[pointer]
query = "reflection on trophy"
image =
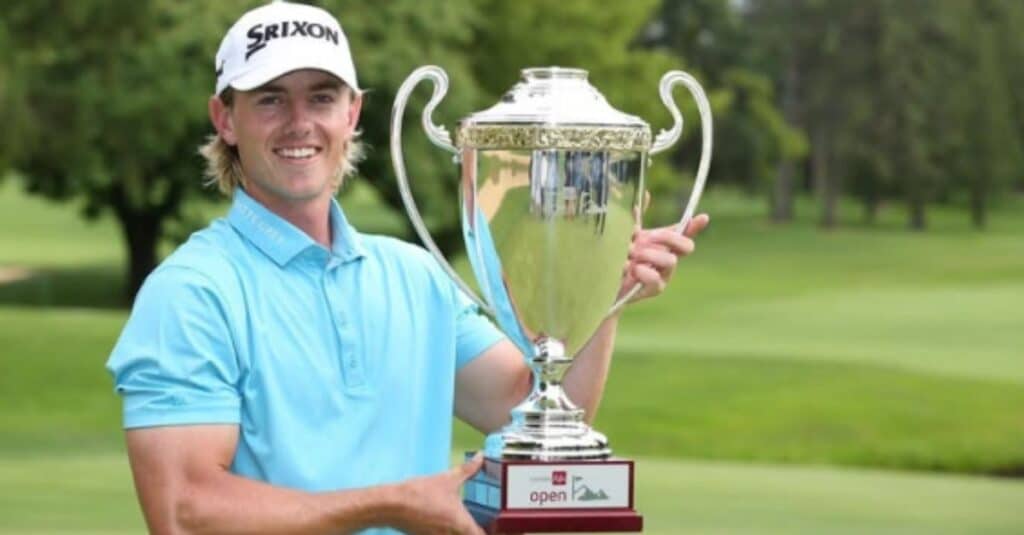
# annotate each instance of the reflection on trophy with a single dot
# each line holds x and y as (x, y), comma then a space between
(551, 188)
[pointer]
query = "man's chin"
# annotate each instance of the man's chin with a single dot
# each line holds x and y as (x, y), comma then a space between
(297, 195)
(304, 195)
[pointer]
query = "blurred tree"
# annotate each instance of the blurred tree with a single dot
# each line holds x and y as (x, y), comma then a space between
(913, 50)
(576, 33)
(109, 107)
(752, 137)
(918, 125)
(986, 150)
(889, 94)
(389, 40)
(803, 43)
(1007, 17)
(108, 104)
(10, 95)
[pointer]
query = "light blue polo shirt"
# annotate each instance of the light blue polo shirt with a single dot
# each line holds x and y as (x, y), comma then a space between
(338, 366)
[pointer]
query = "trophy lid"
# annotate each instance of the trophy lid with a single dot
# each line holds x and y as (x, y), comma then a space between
(554, 107)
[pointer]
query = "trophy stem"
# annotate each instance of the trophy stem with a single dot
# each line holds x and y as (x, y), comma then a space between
(547, 404)
(547, 425)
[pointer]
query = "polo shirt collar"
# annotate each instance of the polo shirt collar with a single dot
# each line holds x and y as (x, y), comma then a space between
(346, 243)
(283, 241)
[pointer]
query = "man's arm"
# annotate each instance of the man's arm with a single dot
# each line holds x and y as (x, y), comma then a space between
(489, 386)
(184, 486)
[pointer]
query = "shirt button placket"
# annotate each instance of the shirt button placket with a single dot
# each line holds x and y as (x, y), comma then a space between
(352, 373)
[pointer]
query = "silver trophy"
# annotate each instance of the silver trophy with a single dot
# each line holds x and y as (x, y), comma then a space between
(551, 191)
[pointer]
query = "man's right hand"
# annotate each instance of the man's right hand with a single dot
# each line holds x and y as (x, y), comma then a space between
(433, 505)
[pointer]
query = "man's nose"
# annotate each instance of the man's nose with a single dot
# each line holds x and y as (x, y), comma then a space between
(299, 119)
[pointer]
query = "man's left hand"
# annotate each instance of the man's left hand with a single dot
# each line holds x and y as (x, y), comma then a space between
(653, 256)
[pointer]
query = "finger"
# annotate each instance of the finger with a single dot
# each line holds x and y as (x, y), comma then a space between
(628, 281)
(651, 279)
(697, 225)
(470, 467)
(660, 259)
(665, 238)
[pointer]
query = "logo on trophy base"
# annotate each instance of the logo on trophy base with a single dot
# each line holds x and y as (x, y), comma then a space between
(551, 191)
(538, 496)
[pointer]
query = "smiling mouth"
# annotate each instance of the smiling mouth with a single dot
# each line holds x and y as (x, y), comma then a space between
(298, 153)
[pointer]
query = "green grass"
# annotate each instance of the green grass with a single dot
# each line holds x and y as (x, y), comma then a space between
(68, 494)
(35, 232)
(57, 396)
(810, 412)
(862, 347)
(92, 494)
(667, 405)
(944, 302)
(711, 497)
(783, 346)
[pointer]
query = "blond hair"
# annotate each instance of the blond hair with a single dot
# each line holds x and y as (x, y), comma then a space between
(224, 168)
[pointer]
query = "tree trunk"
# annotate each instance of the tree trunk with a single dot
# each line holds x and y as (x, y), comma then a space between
(825, 185)
(830, 207)
(782, 194)
(872, 202)
(979, 214)
(142, 232)
(917, 219)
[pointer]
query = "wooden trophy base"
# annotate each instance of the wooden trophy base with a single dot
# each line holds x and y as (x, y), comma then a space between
(553, 496)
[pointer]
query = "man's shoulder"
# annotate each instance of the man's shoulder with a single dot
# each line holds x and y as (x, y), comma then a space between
(391, 249)
(408, 261)
(205, 258)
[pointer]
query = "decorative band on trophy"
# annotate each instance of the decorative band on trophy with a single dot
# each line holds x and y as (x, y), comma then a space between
(530, 137)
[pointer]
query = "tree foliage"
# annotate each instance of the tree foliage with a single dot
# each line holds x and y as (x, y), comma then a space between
(901, 99)
(572, 33)
(914, 101)
(389, 40)
(109, 105)
(752, 137)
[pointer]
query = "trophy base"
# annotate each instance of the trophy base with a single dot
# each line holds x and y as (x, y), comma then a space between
(514, 496)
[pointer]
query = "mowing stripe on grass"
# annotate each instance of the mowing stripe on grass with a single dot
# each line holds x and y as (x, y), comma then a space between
(84, 494)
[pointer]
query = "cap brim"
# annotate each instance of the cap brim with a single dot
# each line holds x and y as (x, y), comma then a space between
(266, 73)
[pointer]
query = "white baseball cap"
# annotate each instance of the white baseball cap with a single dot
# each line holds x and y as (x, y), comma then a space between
(278, 38)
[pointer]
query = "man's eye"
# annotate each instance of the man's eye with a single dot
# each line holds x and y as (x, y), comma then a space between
(268, 100)
(323, 98)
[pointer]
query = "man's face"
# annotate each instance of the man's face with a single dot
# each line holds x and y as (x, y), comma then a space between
(292, 134)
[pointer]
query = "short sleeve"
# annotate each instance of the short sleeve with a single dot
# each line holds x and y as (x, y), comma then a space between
(474, 333)
(175, 362)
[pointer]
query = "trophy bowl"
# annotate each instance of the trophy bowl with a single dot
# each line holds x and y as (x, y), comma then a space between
(552, 181)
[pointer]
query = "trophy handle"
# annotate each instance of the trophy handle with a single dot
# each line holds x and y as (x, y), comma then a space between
(667, 138)
(439, 137)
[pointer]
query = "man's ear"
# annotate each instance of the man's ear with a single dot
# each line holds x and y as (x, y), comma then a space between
(220, 116)
(354, 107)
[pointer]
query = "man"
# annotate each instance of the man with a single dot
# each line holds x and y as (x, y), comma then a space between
(283, 373)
